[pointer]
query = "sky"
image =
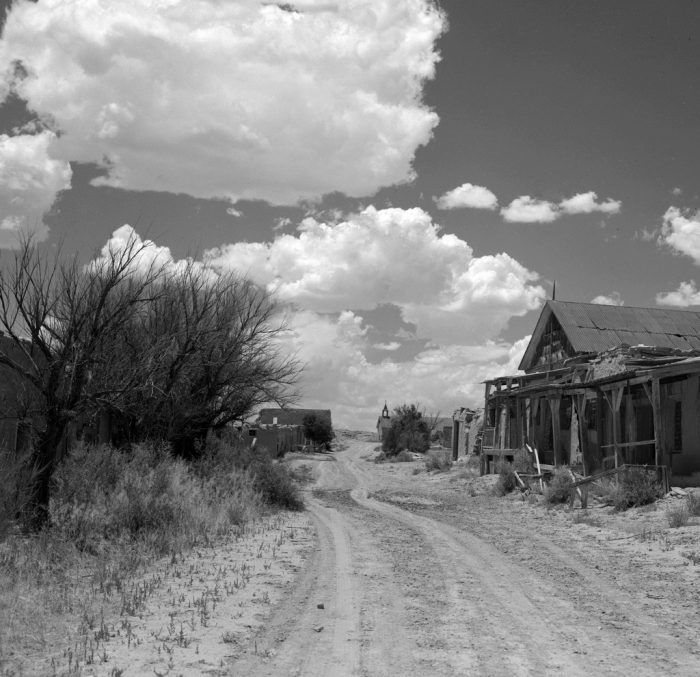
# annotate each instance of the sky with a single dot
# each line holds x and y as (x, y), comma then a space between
(408, 178)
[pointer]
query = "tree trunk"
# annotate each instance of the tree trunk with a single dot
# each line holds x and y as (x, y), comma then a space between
(45, 459)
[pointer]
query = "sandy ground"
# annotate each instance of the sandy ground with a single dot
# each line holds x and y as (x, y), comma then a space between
(395, 571)
(184, 616)
(429, 574)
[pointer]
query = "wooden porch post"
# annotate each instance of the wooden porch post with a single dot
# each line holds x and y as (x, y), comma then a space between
(581, 403)
(614, 401)
(599, 427)
(659, 432)
(631, 426)
(554, 404)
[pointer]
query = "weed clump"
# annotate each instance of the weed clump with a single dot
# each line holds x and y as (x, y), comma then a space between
(507, 481)
(104, 495)
(693, 503)
(635, 487)
(559, 489)
(438, 460)
(678, 515)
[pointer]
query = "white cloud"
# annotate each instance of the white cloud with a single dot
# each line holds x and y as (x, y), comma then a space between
(677, 191)
(236, 213)
(338, 375)
(587, 203)
(612, 299)
(391, 346)
(281, 222)
(681, 231)
(460, 301)
(395, 256)
(30, 178)
(467, 195)
(687, 294)
(230, 99)
(526, 209)
(150, 256)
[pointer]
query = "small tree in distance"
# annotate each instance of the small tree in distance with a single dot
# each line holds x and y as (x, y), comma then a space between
(318, 429)
(409, 430)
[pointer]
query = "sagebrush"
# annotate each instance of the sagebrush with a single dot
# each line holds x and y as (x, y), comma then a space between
(438, 460)
(559, 488)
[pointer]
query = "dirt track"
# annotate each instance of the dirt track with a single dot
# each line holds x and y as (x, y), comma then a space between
(431, 581)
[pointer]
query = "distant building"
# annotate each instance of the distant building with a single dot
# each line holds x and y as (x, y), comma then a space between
(443, 428)
(281, 430)
(289, 416)
(462, 436)
(383, 424)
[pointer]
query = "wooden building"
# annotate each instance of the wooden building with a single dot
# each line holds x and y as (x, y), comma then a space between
(602, 386)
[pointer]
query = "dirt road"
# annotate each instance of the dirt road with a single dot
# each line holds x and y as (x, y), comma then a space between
(412, 576)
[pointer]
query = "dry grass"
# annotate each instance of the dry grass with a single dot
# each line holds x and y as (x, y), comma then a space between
(678, 515)
(113, 515)
(559, 489)
(438, 460)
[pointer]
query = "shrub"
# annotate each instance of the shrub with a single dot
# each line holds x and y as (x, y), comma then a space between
(102, 494)
(506, 480)
(319, 430)
(559, 489)
(678, 515)
(409, 430)
(270, 478)
(438, 460)
(404, 456)
(635, 487)
(17, 477)
(693, 503)
(523, 461)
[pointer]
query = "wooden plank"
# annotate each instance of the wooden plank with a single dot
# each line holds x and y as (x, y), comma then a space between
(533, 450)
(580, 403)
(658, 421)
(641, 443)
(554, 404)
(599, 425)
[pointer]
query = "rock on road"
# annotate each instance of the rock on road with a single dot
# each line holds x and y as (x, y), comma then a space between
(413, 584)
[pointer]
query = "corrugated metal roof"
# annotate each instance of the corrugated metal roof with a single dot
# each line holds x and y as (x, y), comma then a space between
(594, 328)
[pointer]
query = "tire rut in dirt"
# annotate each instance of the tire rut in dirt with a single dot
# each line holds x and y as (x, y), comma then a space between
(301, 638)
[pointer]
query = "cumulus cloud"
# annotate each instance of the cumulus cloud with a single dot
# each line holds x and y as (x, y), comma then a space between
(587, 203)
(440, 379)
(459, 301)
(526, 209)
(393, 345)
(467, 195)
(30, 178)
(230, 99)
(393, 256)
(149, 255)
(612, 299)
(687, 294)
(680, 231)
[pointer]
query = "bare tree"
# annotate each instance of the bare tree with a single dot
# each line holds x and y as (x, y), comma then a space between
(214, 339)
(60, 318)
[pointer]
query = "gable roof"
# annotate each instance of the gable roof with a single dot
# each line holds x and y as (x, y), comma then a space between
(291, 416)
(593, 328)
